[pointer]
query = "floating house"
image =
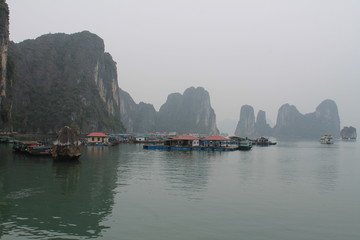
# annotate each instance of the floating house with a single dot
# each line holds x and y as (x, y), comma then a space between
(215, 141)
(97, 138)
(188, 142)
(183, 141)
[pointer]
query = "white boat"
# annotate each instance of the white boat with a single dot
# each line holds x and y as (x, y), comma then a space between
(326, 139)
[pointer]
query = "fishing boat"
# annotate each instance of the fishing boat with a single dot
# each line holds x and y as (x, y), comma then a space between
(22, 146)
(326, 139)
(6, 139)
(263, 141)
(245, 145)
(39, 150)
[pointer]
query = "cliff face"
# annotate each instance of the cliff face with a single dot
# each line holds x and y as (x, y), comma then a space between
(325, 120)
(188, 113)
(6, 69)
(65, 79)
(137, 118)
(262, 128)
(291, 123)
(246, 124)
(348, 133)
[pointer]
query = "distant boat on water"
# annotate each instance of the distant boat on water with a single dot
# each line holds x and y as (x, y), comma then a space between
(263, 141)
(326, 139)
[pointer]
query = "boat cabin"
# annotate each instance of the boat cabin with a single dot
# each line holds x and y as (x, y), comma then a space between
(215, 141)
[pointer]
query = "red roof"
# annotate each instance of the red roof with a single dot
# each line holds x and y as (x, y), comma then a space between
(97, 134)
(216, 138)
(185, 137)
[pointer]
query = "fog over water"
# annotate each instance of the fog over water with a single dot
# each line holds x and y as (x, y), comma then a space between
(256, 52)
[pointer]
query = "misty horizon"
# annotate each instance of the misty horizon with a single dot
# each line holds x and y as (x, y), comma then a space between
(264, 54)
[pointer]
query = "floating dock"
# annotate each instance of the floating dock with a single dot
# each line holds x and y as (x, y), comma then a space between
(194, 148)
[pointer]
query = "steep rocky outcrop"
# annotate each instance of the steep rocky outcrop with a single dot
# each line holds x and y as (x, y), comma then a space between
(137, 118)
(246, 124)
(187, 113)
(325, 119)
(262, 128)
(6, 69)
(291, 123)
(348, 133)
(65, 79)
(190, 112)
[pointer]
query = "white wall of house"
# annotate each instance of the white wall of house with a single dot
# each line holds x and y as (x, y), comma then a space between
(195, 143)
(97, 139)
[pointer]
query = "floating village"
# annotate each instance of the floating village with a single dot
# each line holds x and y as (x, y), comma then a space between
(68, 143)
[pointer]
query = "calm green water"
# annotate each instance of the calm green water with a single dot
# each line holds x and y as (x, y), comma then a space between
(295, 190)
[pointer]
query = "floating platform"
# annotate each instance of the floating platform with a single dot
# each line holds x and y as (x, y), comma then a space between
(194, 148)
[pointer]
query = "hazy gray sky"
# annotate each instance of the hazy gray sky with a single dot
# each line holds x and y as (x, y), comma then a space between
(264, 53)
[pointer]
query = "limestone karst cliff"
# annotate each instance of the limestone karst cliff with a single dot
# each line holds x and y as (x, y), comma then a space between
(262, 128)
(248, 127)
(6, 69)
(65, 79)
(190, 112)
(348, 133)
(246, 124)
(137, 118)
(291, 123)
(325, 120)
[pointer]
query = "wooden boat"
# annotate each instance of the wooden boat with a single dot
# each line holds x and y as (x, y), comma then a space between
(263, 141)
(39, 150)
(6, 139)
(245, 145)
(22, 146)
(326, 139)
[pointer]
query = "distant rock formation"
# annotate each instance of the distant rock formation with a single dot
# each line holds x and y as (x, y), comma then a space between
(248, 127)
(246, 124)
(291, 123)
(65, 79)
(6, 69)
(262, 128)
(137, 118)
(348, 133)
(188, 113)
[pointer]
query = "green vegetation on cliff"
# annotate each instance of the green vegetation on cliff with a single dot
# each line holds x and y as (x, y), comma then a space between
(65, 80)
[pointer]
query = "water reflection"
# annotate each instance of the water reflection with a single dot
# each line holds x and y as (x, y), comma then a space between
(308, 162)
(68, 175)
(46, 199)
(326, 171)
(187, 172)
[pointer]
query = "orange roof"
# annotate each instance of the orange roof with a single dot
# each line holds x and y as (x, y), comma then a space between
(216, 138)
(97, 134)
(185, 137)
